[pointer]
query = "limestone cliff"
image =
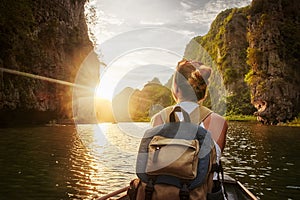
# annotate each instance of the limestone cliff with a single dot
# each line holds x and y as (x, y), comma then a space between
(45, 38)
(256, 49)
(273, 53)
(226, 42)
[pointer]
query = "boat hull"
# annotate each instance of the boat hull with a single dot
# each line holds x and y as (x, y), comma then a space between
(234, 189)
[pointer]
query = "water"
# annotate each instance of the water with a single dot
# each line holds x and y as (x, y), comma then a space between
(88, 161)
(265, 159)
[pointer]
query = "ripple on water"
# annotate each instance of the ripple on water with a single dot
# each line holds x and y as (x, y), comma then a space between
(61, 163)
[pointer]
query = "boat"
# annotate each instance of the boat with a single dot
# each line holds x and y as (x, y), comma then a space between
(235, 191)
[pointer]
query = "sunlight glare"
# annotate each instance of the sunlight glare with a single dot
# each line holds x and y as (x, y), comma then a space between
(122, 71)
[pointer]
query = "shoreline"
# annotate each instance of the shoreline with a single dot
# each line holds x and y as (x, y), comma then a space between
(251, 118)
(229, 118)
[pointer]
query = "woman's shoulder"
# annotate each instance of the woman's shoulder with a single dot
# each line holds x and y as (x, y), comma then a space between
(218, 126)
(166, 110)
(216, 117)
(161, 116)
(211, 116)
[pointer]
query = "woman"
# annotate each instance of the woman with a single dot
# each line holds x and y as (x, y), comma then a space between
(189, 91)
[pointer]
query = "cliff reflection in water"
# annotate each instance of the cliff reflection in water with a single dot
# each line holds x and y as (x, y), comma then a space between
(88, 161)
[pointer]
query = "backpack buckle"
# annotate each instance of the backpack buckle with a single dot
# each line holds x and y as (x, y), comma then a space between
(184, 193)
(149, 190)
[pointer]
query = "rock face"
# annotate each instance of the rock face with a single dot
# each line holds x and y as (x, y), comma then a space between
(273, 53)
(256, 49)
(45, 38)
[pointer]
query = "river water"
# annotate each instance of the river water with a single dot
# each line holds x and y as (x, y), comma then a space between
(88, 161)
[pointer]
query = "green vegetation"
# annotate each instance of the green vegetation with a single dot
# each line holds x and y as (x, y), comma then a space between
(240, 118)
(254, 57)
(242, 109)
(295, 122)
(139, 105)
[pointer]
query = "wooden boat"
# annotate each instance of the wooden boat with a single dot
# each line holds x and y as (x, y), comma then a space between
(234, 189)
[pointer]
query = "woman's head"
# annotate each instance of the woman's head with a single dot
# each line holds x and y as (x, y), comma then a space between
(190, 81)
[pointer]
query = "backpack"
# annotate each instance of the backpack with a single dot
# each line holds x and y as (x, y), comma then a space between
(176, 160)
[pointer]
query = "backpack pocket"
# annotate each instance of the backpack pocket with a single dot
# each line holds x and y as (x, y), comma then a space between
(174, 157)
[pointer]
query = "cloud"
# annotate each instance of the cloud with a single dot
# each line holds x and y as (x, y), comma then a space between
(190, 17)
(112, 20)
(153, 23)
(185, 5)
(205, 14)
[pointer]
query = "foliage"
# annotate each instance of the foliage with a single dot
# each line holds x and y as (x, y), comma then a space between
(230, 75)
(140, 105)
(234, 107)
(254, 57)
(249, 76)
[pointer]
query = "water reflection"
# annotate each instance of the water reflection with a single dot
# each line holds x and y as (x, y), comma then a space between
(85, 172)
(110, 155)
(264, 158)
(89, 161)
(261, 157)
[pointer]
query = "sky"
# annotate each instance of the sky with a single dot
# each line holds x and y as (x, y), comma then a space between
(192, 17)
(130, 34)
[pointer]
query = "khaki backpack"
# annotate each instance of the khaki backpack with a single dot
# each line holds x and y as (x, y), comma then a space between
(176, 161)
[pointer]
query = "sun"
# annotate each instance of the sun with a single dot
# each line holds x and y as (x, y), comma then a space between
(105, 89)
(109, 79)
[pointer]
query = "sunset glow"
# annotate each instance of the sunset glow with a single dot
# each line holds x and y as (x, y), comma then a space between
(134, 70)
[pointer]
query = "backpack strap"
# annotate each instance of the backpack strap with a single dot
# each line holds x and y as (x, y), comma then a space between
(204, 113)
(200, 114)
(149, 190)
(186, 116)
